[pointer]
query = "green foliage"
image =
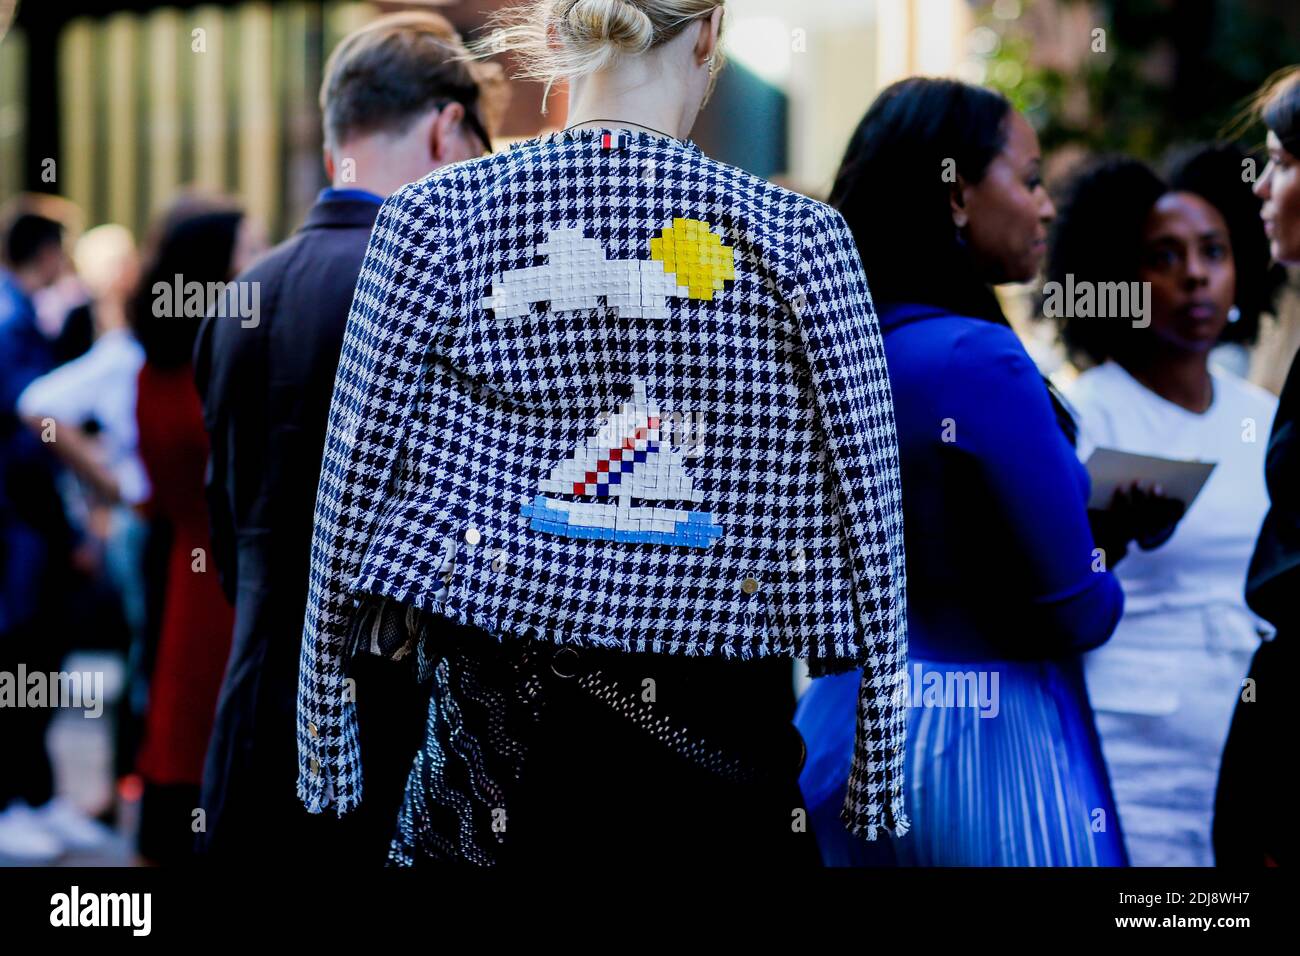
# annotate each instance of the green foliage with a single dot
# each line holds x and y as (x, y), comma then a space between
(1172, 72)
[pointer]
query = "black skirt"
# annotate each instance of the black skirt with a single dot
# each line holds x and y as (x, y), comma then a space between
(538, 754)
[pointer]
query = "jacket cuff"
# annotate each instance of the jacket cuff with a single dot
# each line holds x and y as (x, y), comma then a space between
(874, 800)
(329, 765)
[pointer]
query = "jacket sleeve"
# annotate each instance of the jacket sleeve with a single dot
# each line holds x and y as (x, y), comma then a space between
(846, 361)
(399, 295)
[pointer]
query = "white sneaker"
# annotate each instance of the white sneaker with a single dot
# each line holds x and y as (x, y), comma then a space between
(23, 840)
(70, 826)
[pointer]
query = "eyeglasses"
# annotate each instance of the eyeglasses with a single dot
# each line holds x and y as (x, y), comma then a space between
(472, 121)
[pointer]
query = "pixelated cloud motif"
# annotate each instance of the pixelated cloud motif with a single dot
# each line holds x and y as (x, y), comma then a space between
(625, 460)
(687, 260)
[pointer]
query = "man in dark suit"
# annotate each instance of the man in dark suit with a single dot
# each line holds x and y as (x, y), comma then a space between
(397, 104)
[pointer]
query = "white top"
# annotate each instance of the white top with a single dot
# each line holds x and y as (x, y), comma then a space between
(1165, 685)
(99, 385)
(1206, 559)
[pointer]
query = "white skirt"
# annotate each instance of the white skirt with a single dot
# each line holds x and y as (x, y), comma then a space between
(1164, 688)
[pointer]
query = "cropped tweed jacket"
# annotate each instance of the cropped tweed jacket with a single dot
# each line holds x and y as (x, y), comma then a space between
(602, 390)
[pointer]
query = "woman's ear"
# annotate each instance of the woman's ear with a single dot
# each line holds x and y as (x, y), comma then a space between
(706, 44)
(957, 203)
(442, 129)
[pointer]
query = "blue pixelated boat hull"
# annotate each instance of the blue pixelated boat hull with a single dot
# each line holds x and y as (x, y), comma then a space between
(699, 530)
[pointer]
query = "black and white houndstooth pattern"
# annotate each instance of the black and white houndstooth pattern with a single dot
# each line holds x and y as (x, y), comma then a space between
(445, 417)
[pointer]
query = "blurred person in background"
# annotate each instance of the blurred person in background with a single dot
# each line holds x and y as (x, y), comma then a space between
(1216, 173)
(64, 312)
(941, 184)
(1253, 823)
(36, 544)
(397, 103)
(1162, 686)
(198, 241)
(90, 399)
(87, 406)
(63, 307)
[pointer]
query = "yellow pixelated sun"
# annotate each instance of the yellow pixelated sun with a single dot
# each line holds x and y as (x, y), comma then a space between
(690, 251)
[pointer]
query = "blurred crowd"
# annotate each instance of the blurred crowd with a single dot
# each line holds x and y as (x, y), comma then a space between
(103, 515)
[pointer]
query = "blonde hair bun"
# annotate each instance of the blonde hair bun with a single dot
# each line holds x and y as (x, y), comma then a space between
(615, 25)
(566, 39)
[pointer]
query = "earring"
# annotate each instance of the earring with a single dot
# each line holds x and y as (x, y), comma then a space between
(709, 64)
(1234, 314)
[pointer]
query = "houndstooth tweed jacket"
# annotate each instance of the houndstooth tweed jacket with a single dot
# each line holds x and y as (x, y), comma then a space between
(606, 391)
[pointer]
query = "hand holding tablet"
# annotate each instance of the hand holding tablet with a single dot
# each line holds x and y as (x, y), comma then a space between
(1112, 470)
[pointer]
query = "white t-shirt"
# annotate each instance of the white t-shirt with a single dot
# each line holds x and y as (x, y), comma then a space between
(99, 385)
(1165, 685)
(1206, 559)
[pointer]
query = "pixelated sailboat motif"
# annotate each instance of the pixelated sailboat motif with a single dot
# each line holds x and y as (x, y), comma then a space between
(625, 461)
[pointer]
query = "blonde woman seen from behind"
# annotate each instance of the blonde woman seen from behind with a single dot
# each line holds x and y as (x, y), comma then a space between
(611, 444)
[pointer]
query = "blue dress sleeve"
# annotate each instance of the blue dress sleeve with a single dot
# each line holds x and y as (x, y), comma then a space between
(1002, 418)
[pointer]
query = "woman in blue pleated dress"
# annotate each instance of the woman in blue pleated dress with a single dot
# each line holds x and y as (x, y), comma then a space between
(1006, 584)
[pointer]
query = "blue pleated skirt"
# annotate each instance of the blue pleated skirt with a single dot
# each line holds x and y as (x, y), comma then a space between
(1015, 779)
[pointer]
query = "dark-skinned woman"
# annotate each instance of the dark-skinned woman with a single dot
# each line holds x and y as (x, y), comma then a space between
(941, 187)
(1162, 687)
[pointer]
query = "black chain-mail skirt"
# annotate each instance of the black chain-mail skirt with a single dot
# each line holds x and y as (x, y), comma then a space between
(534, 753)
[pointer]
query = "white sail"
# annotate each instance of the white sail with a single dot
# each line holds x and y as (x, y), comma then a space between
(626, 458)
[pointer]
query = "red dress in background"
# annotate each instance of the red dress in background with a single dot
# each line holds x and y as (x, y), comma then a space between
(197, 621)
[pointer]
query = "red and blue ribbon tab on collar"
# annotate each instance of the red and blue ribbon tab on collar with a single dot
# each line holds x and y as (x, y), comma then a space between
(613, 141)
